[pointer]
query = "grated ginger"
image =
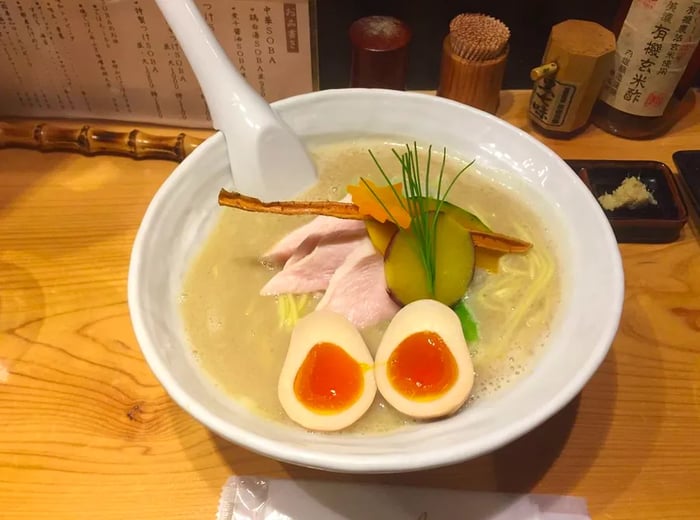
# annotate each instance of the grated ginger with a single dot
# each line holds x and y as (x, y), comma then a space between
(632, 193)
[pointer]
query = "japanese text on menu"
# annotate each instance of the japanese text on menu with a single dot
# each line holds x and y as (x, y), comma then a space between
(119, 60)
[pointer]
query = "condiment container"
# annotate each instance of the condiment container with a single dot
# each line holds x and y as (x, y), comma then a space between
(655, 223)
(473, 61)
(656, 41)
(379, 52)
(578, 56)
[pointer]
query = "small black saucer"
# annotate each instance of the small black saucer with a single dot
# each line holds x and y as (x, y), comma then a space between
(653, 223)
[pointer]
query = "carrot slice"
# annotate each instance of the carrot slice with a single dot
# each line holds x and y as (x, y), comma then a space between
(381, 202)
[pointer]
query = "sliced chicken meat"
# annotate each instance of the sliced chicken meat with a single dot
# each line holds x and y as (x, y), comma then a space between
(312, 263)
(357, 289)
(311, 233)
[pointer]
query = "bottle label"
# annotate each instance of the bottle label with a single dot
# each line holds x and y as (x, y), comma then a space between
(550, 102)
(655, 44)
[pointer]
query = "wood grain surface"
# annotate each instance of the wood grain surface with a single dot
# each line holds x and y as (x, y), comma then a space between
(86, 431)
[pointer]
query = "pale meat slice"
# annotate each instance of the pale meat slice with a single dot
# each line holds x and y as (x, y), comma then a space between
(311, 265)
(357, 289)
(311, 233)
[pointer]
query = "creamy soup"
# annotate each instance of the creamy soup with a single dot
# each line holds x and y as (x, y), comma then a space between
(240, 338)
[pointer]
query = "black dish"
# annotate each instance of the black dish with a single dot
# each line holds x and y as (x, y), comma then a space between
(688, 163)
(657, 223)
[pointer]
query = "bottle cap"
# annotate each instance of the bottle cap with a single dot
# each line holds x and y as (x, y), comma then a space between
(379, 52)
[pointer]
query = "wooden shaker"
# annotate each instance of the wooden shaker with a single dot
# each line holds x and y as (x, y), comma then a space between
(578, 58)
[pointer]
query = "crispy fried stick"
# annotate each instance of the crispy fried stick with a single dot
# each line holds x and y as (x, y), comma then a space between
(498, 242)
(347, 210)
(237, 200)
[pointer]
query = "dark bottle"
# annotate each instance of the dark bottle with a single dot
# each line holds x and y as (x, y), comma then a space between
(656, 60)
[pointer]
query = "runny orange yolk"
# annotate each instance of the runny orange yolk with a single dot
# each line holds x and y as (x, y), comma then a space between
(422, 367)
(329, 380)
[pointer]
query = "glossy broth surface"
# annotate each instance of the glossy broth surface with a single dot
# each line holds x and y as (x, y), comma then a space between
(237, 335)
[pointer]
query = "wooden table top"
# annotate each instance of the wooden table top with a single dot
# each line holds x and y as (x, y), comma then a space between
(86, 431)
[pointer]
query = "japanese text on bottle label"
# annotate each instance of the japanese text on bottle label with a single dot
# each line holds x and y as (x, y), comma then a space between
(653, 48)
(551, 101)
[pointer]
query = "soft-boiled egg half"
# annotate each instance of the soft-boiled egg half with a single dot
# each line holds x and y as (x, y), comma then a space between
(422, 365)
(327, 379)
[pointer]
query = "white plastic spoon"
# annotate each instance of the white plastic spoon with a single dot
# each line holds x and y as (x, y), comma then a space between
(268, 160)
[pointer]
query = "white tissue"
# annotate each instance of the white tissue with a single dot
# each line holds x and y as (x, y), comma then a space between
(254, 498)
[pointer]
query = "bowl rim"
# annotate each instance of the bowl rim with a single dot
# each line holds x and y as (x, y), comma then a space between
(350, 462)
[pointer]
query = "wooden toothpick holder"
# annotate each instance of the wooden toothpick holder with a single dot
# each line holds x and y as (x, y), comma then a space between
(472, 82)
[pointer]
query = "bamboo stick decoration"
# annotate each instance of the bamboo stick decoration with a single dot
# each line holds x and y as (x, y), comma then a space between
(91, 140)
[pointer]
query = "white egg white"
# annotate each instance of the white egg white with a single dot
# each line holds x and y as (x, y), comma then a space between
(420, 316)
(317, 327)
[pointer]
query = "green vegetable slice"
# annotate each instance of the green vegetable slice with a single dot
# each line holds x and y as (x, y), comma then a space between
(454, 264)
(470, 327)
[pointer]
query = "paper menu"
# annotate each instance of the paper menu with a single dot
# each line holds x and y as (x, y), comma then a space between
(117, 59)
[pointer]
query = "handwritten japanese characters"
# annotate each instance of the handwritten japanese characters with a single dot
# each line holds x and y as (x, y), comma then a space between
(117, 59)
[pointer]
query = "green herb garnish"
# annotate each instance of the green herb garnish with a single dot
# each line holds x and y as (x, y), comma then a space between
(424, 213)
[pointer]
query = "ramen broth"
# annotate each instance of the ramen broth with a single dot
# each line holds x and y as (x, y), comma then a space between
(237, 336)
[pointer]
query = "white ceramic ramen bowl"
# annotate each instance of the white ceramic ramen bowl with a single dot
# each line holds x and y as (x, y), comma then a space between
(182, 213)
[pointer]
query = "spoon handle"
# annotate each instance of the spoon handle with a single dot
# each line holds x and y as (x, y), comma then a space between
(267, 159)
(222, 85)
